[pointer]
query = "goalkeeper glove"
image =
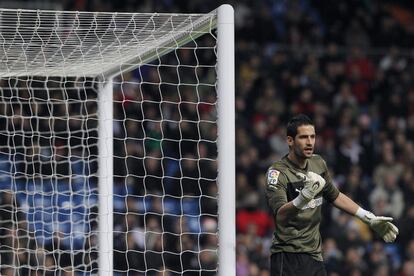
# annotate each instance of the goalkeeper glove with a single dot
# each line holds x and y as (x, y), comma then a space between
(313, 184)
(381, 225)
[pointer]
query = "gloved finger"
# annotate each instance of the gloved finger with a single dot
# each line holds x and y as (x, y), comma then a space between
(393, 228)
(389, 237)
(393, 234)
(312, 175)
(389, 227)
(383, 218)
(302, 175)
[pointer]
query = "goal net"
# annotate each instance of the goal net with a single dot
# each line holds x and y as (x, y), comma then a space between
(116, 140)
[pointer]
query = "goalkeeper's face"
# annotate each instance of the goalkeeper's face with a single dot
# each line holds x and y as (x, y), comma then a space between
(304, 142)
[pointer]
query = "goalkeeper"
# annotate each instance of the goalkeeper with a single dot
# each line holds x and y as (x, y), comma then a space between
(296, 187)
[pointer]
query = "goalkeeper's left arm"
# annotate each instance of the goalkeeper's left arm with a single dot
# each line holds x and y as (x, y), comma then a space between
(381, 225)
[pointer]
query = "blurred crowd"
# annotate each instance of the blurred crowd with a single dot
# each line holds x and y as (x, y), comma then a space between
(348, 66)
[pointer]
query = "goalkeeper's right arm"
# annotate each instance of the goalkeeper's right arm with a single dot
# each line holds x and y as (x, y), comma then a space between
(313, 184)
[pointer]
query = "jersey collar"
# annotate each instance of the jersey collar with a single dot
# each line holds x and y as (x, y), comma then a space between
(294, 165)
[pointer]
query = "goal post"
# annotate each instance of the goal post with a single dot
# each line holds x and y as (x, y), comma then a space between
(105, 178)
(226, 139)
(117, 142)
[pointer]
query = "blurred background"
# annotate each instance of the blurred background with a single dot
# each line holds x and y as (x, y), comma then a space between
(349, 66)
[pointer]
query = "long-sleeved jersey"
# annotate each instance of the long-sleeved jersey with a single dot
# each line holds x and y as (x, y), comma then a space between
(300, 233)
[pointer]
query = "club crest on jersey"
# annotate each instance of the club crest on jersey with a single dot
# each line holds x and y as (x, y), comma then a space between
(272, 176)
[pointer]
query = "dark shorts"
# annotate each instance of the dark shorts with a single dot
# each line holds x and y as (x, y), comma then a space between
(295, 264)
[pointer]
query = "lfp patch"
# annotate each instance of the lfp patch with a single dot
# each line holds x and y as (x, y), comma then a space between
(272, 176)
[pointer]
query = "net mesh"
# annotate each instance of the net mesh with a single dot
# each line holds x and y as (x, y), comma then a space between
(48, 170)
(165, 134)
(87, 44)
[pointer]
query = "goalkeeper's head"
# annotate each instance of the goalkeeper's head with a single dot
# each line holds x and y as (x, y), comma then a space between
(301, 136)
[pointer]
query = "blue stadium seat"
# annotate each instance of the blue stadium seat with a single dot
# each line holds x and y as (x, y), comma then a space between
(5, 166)
(193, 224)
(191, 206)
(172, 206)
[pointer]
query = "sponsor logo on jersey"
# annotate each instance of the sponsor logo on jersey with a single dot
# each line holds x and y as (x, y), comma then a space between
(313, 203)
(272, 177)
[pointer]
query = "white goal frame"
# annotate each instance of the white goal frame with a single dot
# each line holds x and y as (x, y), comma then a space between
(223, 21)
(226, 141)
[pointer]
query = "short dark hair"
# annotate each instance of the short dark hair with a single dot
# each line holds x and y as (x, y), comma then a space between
(295, 122)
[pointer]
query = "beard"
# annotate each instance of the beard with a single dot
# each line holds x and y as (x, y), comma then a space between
(301, 153)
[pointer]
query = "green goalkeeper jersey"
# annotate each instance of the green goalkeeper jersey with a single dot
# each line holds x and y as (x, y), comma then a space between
(301, 233)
